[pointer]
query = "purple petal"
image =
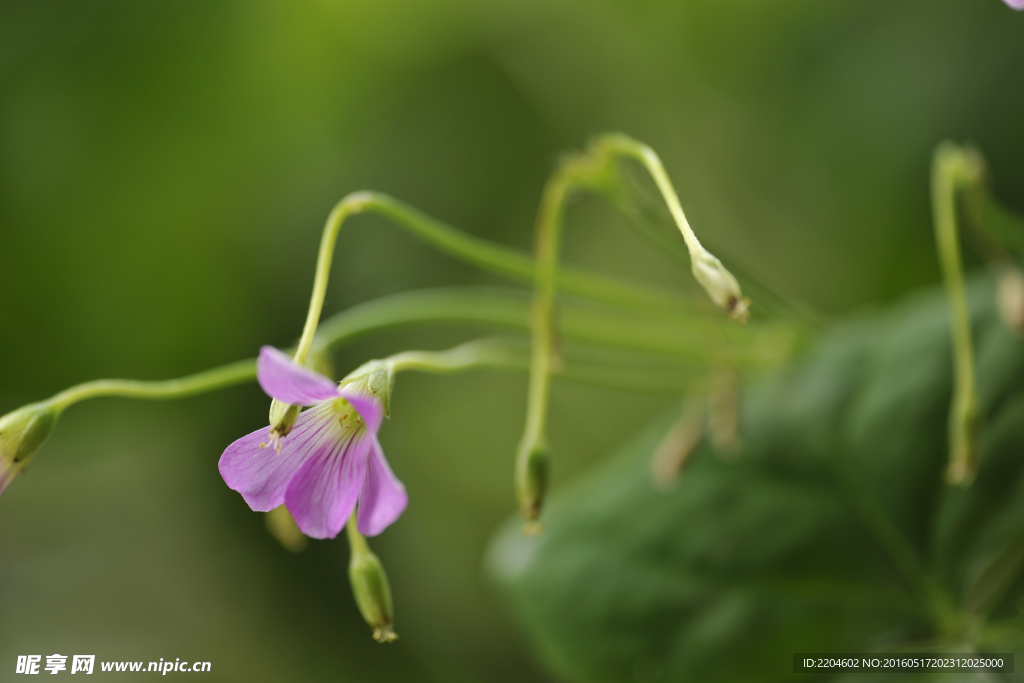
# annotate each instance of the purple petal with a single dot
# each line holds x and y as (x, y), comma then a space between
(383, 497)
(291, 383)
(368, 406)
(261, 475)
(1015, 4)
(323, 494)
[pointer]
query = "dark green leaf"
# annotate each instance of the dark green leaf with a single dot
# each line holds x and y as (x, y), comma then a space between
(832, 532)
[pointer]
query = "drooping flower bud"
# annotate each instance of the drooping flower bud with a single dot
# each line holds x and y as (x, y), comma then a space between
(720, 285)
(532, 469)
(22, 434)
(372, 592)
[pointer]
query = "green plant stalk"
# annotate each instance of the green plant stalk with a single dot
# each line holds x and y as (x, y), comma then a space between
(953, 168)
(593, 169)
(531, 462)
(202, 382)
(495, 308)
(478, 252)
(638, 331)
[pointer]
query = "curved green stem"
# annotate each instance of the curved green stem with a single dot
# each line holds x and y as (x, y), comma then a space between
(476, 251)
(590, 169)
(493, 353)
(716, 280)
(623, 145)
(199, 383)
(508, 309)
(953, 168)
(531, 456)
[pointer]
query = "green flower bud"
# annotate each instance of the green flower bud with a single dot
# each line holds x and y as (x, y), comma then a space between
(283, 417)
(721, 286)
(22, 434)
(372, 592)
(376, 378)
(532, 467)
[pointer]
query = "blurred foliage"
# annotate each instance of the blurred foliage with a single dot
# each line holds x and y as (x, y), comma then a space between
(833, 530)
(165, 170)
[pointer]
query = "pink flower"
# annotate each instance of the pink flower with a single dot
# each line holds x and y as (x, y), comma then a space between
(329, 461)
(1015, 4)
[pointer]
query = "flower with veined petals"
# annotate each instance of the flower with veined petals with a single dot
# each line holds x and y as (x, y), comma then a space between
(329, 461)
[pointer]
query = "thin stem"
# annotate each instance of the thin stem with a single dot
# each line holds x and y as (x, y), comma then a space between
(473, 250)
(626, 146)
(507, 309)
(716, 280)
(593, 169)
(494, 353)
(951, 169)
(542, 313)
(356, 540)
(202, 382)
(676, 336)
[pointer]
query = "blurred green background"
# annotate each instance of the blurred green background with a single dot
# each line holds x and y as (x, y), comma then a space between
(165, 170)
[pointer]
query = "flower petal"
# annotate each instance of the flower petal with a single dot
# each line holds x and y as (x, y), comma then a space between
(368, 406)
(383, 498)
(261, 475)
(323, 494)
(291, 383)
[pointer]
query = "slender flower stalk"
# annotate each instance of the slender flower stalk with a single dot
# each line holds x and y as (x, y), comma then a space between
(718, 282)
(283, 417)
(593, 169)
(662, 344)
(473, 250)
(953, 168)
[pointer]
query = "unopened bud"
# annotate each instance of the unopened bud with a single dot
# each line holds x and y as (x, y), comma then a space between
(22, 434)
(282, 526)
(532, 468)
(376, 378)
(283, 417)
(372, 593)
(721, 286)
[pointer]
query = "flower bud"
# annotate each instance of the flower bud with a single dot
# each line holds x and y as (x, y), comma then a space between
(372, 593)
(283, 417)
(376, 378)
(532, 467)
(22, 434)
(720, 285)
